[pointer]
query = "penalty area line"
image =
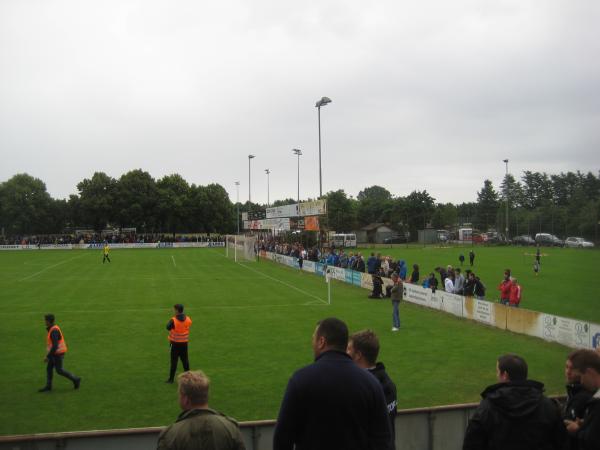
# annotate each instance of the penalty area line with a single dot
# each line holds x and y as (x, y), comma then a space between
(285, 284)
(50, 267)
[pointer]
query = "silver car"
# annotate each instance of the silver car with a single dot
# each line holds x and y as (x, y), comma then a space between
(578, 242)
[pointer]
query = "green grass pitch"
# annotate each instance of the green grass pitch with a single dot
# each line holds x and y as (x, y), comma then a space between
(252, 328)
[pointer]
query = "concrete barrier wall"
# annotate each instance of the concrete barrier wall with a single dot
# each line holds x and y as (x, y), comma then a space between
(439, 428)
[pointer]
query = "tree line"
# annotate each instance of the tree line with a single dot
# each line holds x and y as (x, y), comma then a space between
(562, 204)
(565, 204)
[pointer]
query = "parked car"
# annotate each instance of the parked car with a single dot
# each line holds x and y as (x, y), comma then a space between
(396, 239)
(523, 240)
(493, 237)
(549, 240)
(578, 242)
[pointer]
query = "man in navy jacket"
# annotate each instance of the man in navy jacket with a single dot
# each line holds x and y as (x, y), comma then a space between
(332, 403)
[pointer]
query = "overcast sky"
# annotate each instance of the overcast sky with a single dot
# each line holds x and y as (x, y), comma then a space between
(425, 95)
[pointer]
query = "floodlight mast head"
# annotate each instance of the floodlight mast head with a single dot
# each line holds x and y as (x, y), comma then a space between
(323, 102)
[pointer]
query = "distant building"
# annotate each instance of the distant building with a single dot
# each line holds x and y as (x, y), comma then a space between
(373, 233)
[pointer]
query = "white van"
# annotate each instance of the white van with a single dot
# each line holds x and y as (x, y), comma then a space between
(343, 240)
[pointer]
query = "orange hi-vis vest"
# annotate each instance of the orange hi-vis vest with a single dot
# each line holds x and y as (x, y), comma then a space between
(181, 330)
(62, 345)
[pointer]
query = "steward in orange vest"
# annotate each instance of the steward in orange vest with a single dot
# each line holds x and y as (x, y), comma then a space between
(56, 347)
(179, 334)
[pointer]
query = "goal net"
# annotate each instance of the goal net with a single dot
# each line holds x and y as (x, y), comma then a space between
(240, 247)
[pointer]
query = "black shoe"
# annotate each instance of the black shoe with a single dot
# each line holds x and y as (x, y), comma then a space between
(45, 389)
(76, 383)
(169, 381)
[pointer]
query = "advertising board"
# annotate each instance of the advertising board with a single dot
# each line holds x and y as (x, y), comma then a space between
(314, 208)
(282, 211)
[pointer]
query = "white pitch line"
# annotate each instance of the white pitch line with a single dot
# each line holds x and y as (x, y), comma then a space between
(284, 283)
(50, 267)
(187, 308)
(173, 258)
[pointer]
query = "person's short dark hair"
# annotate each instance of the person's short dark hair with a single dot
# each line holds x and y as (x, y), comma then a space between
(335, 333)
(457, 270)
(583, 359)
(366, 342)
(514, 365)
(49, 318)
(178, 307)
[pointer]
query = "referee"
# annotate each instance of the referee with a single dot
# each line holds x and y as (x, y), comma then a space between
(179, 333)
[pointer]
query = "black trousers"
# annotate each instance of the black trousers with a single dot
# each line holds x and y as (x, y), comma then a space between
(105, 258)
(179, 351)
(56, 362)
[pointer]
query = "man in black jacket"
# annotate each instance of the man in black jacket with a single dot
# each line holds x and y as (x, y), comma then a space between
(587, 431)
(363, 348)
(514, 414)
(577, 397)
(332, 403)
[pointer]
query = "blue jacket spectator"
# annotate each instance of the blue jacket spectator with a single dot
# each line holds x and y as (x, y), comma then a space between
(402, 270)
(372, 264)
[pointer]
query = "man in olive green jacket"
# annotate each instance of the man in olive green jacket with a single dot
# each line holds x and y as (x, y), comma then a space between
(198, 426)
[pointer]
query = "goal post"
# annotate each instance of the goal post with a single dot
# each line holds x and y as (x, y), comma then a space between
(240, 248)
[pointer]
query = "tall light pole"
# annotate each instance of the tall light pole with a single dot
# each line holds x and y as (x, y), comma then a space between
(322, 102)
(249, 178)
(298, 152)
(506, 195)
(237, 202)
(267, 171)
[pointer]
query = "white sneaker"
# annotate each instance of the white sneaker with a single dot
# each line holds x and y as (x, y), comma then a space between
(395, 329)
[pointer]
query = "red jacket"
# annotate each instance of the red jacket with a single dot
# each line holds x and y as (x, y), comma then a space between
(515, 294)
(504, 289)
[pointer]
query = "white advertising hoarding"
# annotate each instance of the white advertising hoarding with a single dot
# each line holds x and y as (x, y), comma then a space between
(569, 332)
(314, 208)
(483, 311)
(452, 303)
(417, 294)
(282, 211)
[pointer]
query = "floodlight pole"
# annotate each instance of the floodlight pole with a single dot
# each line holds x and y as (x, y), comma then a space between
(267, 171)
(249, 178)
(298, 152)
(322, 102)
(237, 202)
(506, 194)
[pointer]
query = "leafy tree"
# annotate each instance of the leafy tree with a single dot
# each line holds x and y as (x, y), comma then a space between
(444, 216)
(374, 205)
(419, 208)
(96, 200)
(537, 189)
(466, 213)
(487, 206)
(221, 212)
(173, 193)
(285, 201)
(514, 189)
(341, 211)
(136, 200)
(26, 206)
